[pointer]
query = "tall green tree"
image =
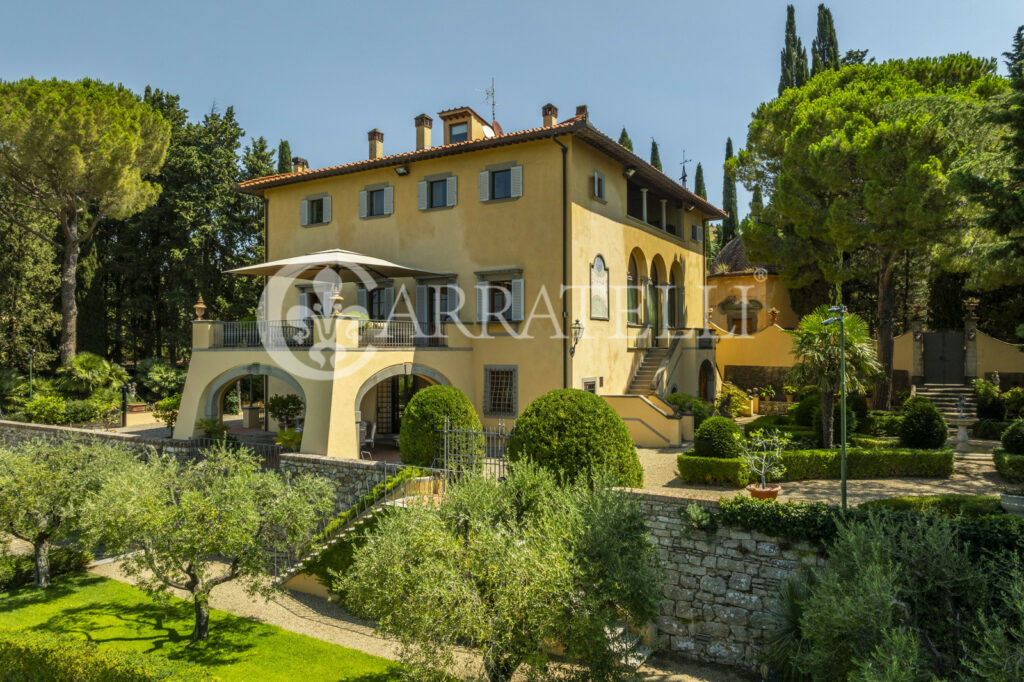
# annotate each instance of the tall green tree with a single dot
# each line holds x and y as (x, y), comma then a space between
(794, 56)
(852, 170)
(655, 156)
(728, 230)
(624, 139)
(284, 157)
(825, 47)
(756, 202)
(76, 152)
(698, 183)
(817, 350)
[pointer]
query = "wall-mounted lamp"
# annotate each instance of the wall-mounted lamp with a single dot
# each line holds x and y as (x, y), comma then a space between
(690, 207)
(402, 170)
(629, 172)
(577, 334)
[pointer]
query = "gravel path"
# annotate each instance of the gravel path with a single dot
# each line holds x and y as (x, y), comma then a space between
(972, 475)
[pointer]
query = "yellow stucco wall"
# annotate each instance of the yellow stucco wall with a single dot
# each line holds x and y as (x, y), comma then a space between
(768, 291)
(998, 356)
(769, 347)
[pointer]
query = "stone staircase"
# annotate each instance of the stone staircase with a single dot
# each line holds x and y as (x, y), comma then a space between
(947, 398)
(641, 383)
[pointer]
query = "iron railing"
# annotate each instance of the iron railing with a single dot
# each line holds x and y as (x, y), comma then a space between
(469, 450)
(401, 334)
(263, 334)
(268, 453)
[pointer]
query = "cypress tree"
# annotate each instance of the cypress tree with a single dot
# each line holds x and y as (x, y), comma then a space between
(698, 184)
(794, 56)
(756, 202)
(624, 139)
(655, 157)
(728, 230)
(825, 48)
(284, 157)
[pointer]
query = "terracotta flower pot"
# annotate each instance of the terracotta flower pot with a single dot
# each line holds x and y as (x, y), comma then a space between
(769, 493)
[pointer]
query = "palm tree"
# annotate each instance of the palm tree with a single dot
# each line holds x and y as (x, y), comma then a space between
(816, 346)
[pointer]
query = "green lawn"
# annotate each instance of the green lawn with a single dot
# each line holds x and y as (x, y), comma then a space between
(114, 614)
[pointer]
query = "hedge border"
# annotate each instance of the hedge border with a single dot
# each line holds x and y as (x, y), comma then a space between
(1010, 467)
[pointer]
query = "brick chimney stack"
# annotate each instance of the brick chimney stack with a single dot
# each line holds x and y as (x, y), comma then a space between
(376, 143)
(549, 112)
(299, 164)
(423, 125)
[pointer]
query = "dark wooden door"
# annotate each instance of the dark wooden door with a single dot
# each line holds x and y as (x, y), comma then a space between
(944, 357)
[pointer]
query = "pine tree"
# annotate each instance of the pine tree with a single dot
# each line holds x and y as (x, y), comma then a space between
(698, 183)
(284, 157)
(624, 139)
(825, 48)
(728, 230)
(655, 157)
(794, 56)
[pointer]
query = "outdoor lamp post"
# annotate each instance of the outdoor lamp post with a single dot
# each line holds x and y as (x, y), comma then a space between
(841, 309)
(577, 334)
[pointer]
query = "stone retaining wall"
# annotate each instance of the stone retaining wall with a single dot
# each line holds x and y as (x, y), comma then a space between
(352, 478)
(719, 587)
(16, 432)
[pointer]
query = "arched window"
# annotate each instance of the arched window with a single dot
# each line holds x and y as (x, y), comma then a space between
(673, 301)
(633, 292)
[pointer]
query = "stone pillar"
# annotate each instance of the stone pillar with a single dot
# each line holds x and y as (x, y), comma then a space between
(643, 209)
(917, 330)
(664, 214)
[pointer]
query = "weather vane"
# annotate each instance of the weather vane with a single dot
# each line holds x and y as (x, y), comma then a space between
(682, 178)
(490, 99)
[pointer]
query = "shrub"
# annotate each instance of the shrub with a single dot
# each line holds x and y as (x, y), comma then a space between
(1014, 402)
(289, 439)
(861, 463)
(859, 404)
(51, 657)
(837, 425)
(990, 404)
(731, 398)
(572, 433)
(1010, 467)
(768, 421)
(729, 472)
(873, 443)
(718, 437)
(881, 423)
(87, 373)
(423, 419)
(213, 427)
(285, 409)
(763, 456)
(809, 400)
(688, 403)
(46, 409)
(923, 425)
(988, 429)
(948, 504)
(18, 570)
(159, 379)
(166, 410)
(1013, 438)
(81, 411)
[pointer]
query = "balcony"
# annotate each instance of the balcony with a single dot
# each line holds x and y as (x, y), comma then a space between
(337, 332)
(262, 334)
(401, 334)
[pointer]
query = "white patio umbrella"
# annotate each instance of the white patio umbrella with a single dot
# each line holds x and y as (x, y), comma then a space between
(349, 265)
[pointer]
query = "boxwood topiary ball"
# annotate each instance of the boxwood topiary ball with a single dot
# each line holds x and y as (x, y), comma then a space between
(716, 437)
(1013, 438)
(575, 433)
(419, 438)
(923, 426)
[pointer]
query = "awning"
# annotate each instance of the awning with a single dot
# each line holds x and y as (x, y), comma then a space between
(349, 265)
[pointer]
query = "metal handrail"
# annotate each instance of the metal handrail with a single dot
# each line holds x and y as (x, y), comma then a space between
(401, 334)
(263, 334)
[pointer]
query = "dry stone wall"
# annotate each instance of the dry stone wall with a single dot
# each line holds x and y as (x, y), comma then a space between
(352, 478)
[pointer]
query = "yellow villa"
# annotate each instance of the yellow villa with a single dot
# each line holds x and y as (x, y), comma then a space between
(506, 264)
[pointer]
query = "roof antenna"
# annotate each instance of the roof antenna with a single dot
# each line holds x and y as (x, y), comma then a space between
(682, 178)
(489, 98)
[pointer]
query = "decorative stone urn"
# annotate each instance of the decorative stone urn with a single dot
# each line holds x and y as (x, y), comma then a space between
(1013, 502)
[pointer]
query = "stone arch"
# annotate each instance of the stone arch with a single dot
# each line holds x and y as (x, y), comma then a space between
(677, 294)
(706, 382)
(636, 280)
(215, 389)
(399, 370)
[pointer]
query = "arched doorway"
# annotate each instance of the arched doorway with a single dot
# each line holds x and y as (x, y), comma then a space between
(381, 401)
(706, 382)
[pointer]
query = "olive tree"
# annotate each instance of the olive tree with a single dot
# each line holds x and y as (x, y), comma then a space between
(508, 569)
(43, 486)
(192, 526)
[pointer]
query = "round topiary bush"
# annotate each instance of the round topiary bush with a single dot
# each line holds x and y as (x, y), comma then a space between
(1013, 438)
(717, 437)
(573, 433)
(688, 403)
(810, 399)
(419, 438)
(837, 426)
(923, 426)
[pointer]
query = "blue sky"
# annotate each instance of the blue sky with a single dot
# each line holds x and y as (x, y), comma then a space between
(321, 74)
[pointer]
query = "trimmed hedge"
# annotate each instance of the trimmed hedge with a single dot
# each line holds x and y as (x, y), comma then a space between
(50, 657)
(803, 465)
(1010, 467)
(717, 437)
(870, 442)
(923, 425)
(881, 423)
(423, 418)
(948, 504)
(988, 429)
(1013, 438)
(19, 570)
(572, 432)
(688, 403)
(722, 471)
(766, 422)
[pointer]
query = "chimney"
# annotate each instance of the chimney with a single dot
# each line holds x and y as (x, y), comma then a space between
(581, 110)
(376, 143)
(549, 112)
(299, 164)
(423, 125)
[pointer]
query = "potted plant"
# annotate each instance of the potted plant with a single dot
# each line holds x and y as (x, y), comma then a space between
(762, 457)
(790, 391)
(1012, 500)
